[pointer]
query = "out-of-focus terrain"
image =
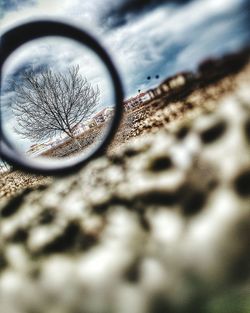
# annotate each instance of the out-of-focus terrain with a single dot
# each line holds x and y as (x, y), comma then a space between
(213, 80)
(159, 224)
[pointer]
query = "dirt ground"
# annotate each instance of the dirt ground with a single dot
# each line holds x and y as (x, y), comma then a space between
(159, 224)
(150, 118)
(16, 181)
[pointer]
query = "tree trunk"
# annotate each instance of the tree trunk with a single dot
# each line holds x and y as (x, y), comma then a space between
(77, 143)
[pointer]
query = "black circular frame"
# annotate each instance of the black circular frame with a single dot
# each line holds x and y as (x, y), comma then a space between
(12, 40)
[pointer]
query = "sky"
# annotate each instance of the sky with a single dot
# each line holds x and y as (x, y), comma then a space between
(143, 37)
(147, 37)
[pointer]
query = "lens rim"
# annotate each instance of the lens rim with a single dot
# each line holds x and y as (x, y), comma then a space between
(24, 33)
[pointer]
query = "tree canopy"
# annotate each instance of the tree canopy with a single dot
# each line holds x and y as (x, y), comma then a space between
(52, 103)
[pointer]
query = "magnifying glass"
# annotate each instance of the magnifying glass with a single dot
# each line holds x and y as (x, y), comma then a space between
(61, 97)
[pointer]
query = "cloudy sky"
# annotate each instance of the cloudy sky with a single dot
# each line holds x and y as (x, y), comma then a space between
(144, 37)
(147, 37)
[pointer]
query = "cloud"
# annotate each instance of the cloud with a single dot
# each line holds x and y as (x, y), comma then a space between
(170, 39)
(59, 54)
(144, 38)
(120, 13)
(21, 144)
(14, 5)
(159, 37)
(26, 10)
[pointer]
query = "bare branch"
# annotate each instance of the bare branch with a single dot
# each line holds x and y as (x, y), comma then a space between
(49, 103)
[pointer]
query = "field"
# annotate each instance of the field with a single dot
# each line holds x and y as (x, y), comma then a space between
(158, 224)
(163, 112)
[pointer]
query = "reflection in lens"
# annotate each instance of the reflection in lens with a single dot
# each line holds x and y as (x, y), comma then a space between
(57, 100)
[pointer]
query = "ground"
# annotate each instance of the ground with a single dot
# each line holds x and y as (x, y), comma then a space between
(151, 118)
(159, 225)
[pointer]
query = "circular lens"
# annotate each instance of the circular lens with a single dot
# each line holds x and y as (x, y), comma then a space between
(58, 103)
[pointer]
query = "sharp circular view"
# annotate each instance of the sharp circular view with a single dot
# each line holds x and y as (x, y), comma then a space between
(57, 101)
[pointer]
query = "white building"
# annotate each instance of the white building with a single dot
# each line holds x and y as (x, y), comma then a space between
(104, 115)
(136, 101)
(80, 128)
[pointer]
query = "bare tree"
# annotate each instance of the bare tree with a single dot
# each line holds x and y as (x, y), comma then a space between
(49, 103)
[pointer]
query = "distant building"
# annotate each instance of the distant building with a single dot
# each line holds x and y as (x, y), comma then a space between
(109, 113)
(174, 83)
(104, 115)
(136, 101)
(80, 128)
(56, 142)
(150, 94)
